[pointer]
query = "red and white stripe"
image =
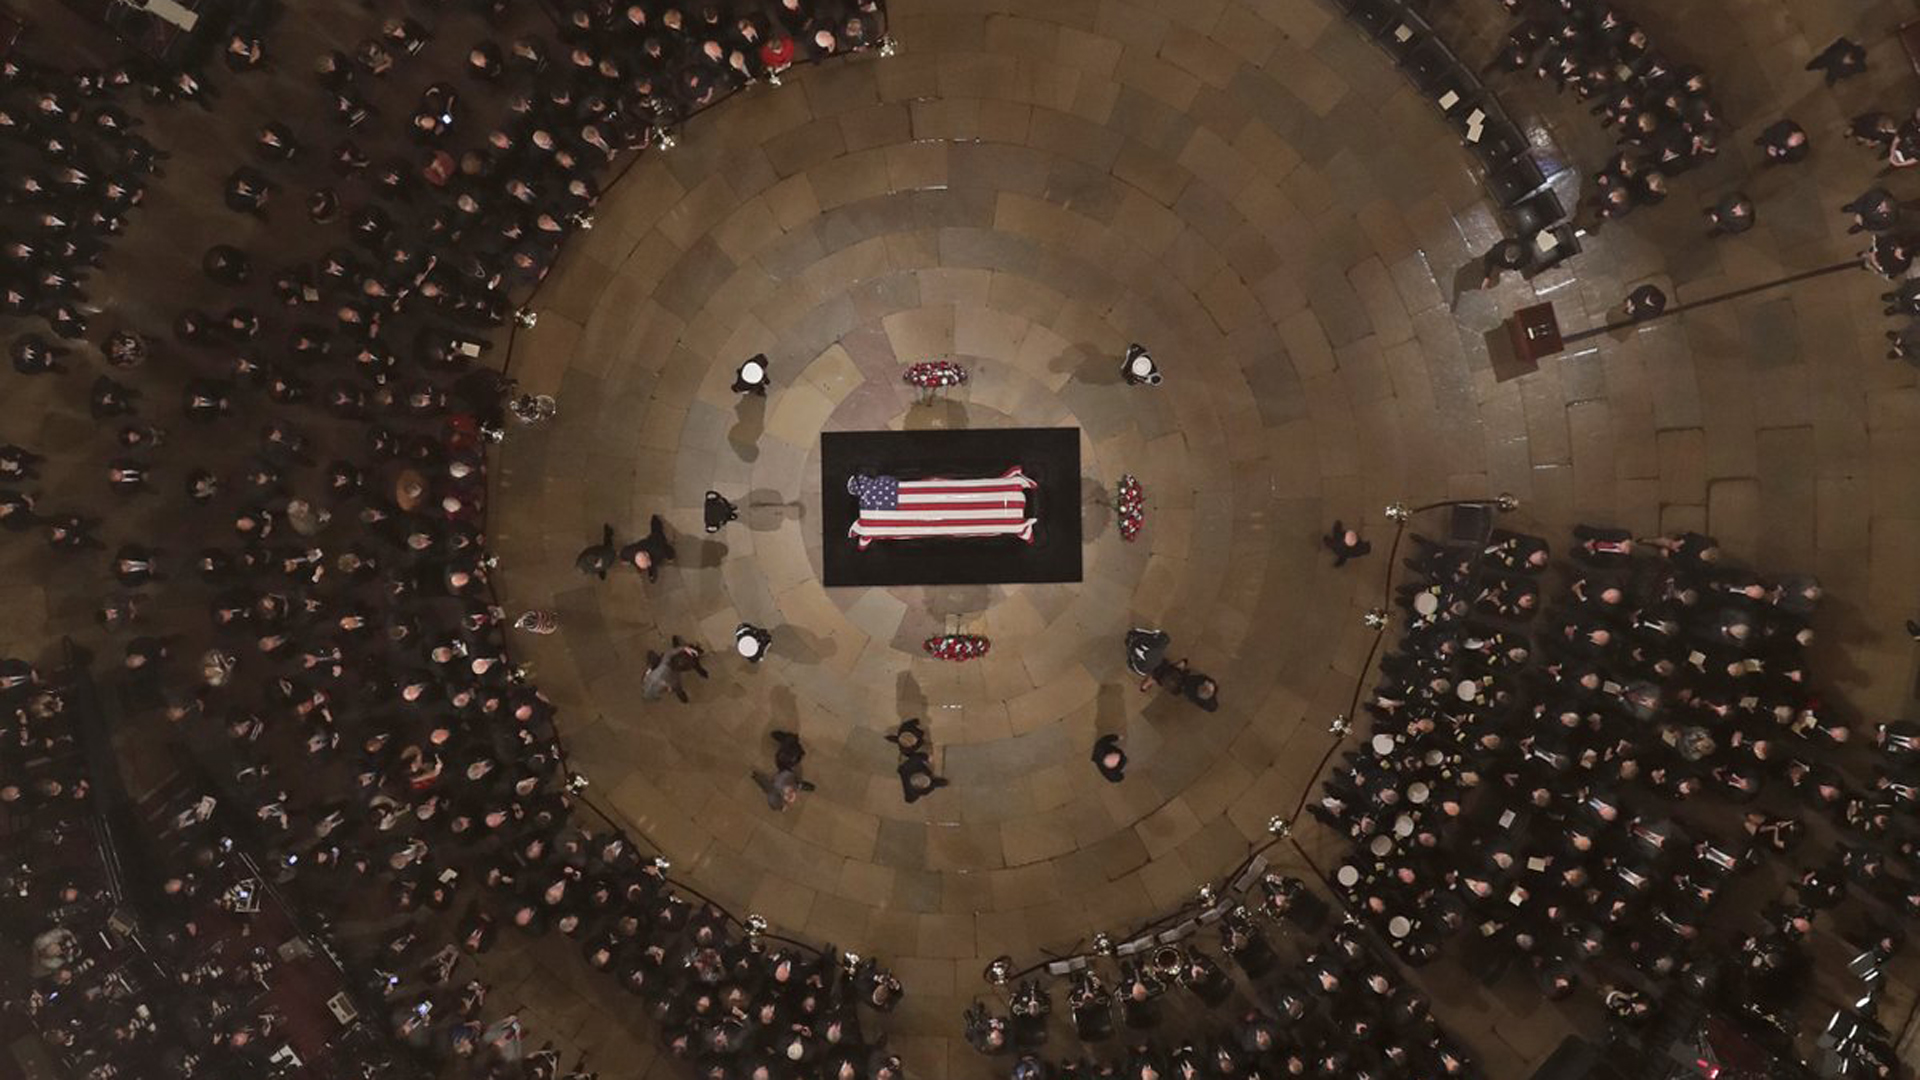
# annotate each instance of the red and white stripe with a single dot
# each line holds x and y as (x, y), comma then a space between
(989, 506)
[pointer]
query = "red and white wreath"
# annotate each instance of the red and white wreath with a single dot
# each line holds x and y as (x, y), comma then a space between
(1131, 502)
(957, 647)
(935, 374)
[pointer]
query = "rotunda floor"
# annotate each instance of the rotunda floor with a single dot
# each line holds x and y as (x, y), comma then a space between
(1252, 191)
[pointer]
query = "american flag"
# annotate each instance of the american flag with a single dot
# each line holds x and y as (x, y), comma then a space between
(895, 509)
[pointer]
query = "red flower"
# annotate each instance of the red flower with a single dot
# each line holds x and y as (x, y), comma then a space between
(957, 647)
(1131, 504)
(933, 374)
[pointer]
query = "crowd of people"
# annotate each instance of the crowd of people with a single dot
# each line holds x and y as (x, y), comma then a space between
(77, 170)
(1581, 786)
(1668, 123)
(734, 1004)
(1877, 213)
(1888, 136)
(183, 989)
(1338, 1009)
(1663, 113)
(355, 677)
(387, 751)
(56, 894)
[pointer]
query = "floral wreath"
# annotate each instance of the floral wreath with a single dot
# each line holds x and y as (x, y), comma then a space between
(957, 647)
(934, 374)
(1131, 502)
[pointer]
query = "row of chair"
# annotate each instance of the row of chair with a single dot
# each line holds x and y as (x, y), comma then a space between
(1510, 162)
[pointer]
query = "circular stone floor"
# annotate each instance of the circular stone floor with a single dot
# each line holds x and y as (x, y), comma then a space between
(1254, 193)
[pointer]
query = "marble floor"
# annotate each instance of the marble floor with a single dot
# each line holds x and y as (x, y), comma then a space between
(1250, 189)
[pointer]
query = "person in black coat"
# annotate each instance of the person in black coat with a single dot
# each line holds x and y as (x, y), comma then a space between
(1785, 142)
(917, 780)
(647, 553)
(1645, 302)
(33, 355)
(1109, 758)
(1345, 544)
(1199, 689)
(751, 377)
(226, 264)
(1506, 255)
(597, 558)
(247, 191)
(18, 463)
(1841, 60)
(1873, 211)
(1732, 214)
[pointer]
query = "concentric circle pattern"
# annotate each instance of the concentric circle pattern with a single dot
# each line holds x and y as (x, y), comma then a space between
(1250, 190)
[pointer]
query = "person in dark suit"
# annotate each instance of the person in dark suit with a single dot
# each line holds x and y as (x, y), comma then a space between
(597, 558)
(751, 641)
(1874, 129)
(788, 751)
(751, 377)
(1506, 255)
(33, 355)
(1841, 60)
(1873, 211)
(18, 463)
(248, 190)
(910, 737)
(1732, 214)
(917, 780)
(1109, 758)
(478, 931)
(1785, 142)
(1199, 689)
(1145, 649)
(647, 553)
(1345, 544)
(1890, 256)
(1645, 302)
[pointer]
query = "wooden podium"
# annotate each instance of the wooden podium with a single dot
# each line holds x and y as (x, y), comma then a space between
(1535, 333)
(1532, 333)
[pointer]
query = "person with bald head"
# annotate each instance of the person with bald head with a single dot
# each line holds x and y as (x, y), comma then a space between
(1345, 544)
(650, 551)
(1109, 759)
